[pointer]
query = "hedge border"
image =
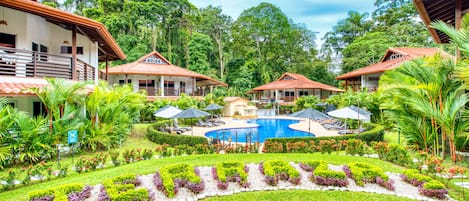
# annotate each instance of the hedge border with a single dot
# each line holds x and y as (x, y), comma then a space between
(374, 133)
(172, 139)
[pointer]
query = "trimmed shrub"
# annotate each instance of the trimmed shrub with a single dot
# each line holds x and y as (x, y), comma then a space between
(171, 139)
(374, 132)
(414, 177)
(177, 176)
(434, 188)
(322, 175)
(279, 170)
(58, 193)
(230, 172)
(365, 173)
(355, 147)
(123, 188)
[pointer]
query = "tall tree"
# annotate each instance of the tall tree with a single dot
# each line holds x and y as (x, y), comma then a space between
(346, 31)
(216, 25)
(199, 49)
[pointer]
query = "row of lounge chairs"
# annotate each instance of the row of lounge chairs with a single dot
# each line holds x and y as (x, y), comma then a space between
(331, 124)
(209, 123)
(342, 132)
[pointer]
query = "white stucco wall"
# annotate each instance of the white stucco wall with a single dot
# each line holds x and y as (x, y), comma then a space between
(24, 103)
(114, 79)
(370, 84)
(30, 28)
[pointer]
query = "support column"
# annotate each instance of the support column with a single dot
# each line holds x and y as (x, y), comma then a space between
(107, 69)
(74, 53)
(162, 86)
(194, 83)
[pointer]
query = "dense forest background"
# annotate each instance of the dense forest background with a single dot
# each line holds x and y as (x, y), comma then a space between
(257, 47)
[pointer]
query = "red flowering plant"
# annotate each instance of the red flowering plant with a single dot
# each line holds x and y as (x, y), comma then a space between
(456, 170)
(434, 164)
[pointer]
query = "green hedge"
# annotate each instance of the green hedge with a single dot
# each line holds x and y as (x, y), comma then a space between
(374, 133)
(172, 139)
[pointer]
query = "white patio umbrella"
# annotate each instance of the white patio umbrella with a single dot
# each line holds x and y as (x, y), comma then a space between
(167, 111)
(351, 112)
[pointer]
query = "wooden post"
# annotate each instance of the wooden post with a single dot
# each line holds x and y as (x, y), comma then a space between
(74, 53)
(35, 56)
(107, 69)
(86, 71)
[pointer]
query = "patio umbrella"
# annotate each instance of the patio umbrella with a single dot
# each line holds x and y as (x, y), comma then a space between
(191, 113)
(310, 113)
(167, 111)
(351, 112)
(213, 106)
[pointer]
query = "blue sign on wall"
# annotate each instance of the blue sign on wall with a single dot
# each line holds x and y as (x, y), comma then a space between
(72, 136)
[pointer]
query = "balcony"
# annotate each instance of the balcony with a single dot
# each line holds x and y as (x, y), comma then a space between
(24, 63)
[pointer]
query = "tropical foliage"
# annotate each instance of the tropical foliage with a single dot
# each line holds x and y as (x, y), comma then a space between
(103, 116)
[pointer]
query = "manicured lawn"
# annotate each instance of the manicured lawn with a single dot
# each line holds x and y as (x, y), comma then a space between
(393, 137)
(301, 195)
(150, 166)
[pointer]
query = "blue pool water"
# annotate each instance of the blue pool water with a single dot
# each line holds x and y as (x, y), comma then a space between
(268, 128)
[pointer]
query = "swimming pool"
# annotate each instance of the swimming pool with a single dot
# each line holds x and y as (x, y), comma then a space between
(268, 128)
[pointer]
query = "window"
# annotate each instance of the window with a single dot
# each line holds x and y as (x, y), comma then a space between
(65, 49)
(287, 78)
(373, 78)
(304, 93)
(289, 93)
(41, 48)
(7, 40)
(39, 109)
(122, 82)
(146, 83)
(395, 56)
(169, 84)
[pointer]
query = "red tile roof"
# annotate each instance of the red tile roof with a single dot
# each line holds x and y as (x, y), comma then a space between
(297, 82)
(96, 31)
(385, 64)
(18, 86)
(139, 67)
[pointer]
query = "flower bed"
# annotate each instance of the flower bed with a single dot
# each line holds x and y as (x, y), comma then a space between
(427, 186)
(321, 174)
(279, 170)
(73, 192)
(226, 172)
(365, 173)
(123, 188)
(171, 178)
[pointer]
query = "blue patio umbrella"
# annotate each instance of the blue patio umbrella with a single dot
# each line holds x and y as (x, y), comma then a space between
(310, 113)
(191, 113)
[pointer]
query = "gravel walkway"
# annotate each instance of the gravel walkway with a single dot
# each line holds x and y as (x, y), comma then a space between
(256, 180)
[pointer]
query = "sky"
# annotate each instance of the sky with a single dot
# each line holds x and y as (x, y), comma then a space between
(318, 15)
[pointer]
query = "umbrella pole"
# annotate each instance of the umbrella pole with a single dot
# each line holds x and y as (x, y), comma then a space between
(309, 125)
(192, 127)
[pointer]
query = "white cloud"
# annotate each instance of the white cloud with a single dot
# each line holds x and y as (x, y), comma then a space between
(318, 15)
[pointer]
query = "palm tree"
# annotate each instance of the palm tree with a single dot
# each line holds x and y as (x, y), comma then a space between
(57, 96)
(423, 96)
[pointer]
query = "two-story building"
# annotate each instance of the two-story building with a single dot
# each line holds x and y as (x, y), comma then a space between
(155, 75)
(368, 77)
(38, 41)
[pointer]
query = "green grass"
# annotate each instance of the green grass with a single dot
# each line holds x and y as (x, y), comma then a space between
(393, 137)
(150, 166)
(301, 195)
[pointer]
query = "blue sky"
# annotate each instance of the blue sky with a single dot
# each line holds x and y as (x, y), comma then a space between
(318, 15)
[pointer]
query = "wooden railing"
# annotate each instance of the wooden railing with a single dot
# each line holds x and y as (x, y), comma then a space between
(24, 63)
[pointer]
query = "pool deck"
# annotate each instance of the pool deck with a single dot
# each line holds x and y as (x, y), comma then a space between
(317, 129)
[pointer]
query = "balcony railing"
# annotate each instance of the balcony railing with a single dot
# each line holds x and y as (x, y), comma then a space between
(24, 63)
